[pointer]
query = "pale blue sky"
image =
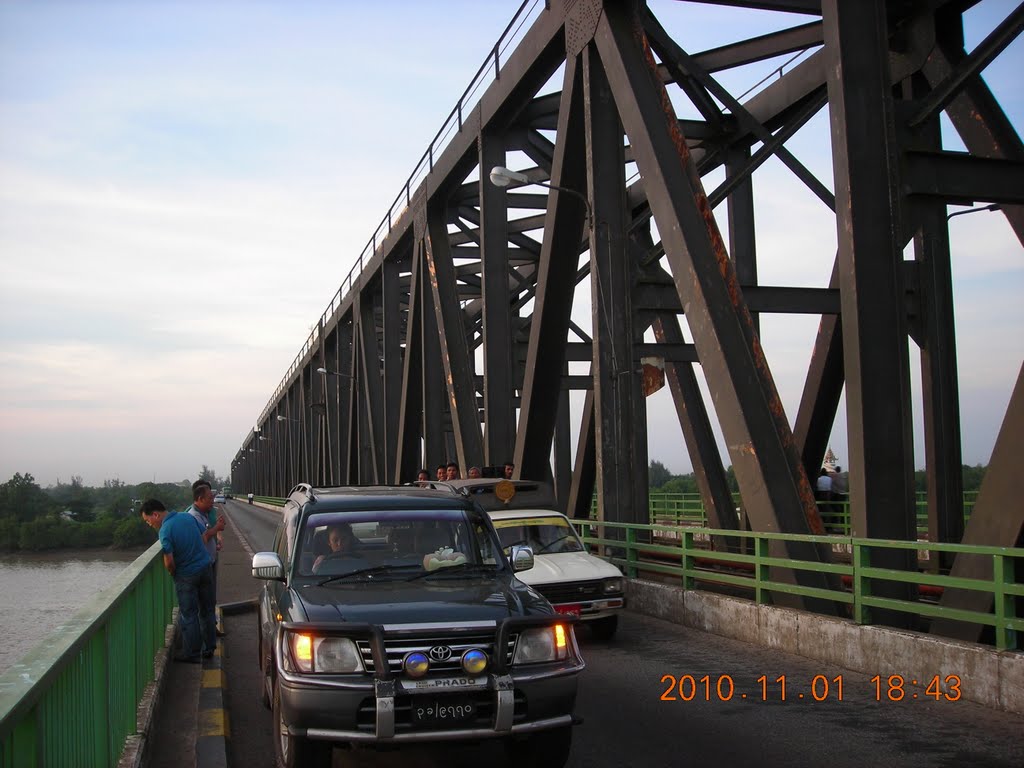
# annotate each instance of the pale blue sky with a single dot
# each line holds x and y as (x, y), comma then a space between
(184, 185)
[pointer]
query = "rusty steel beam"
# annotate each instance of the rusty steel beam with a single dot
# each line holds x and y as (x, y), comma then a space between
(748, 406)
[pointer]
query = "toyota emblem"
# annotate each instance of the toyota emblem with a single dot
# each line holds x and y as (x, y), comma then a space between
(440, 653)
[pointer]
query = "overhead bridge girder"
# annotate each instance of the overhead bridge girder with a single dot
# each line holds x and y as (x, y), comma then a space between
(455, 338)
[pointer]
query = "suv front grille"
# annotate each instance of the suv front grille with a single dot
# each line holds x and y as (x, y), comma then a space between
(397, 647)
(572, 592)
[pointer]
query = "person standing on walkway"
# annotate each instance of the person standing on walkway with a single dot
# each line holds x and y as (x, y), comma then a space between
(188, 563)
(207, 515)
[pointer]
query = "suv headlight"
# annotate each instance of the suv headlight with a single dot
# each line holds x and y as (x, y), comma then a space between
(324, 654)
(542, 644)
(612, 585)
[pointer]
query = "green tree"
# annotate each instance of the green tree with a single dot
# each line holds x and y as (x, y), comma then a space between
(209, 476)
(22, 500)
(658, 474)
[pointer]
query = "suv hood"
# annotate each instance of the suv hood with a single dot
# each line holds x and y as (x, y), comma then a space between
(568, 566)
(425, 600)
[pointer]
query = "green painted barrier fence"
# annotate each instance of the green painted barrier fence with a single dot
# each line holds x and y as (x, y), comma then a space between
(74, 699)
(750, 568)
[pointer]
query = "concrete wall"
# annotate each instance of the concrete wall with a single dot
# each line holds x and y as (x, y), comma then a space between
(990, 677)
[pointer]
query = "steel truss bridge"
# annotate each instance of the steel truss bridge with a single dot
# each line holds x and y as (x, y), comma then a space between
(454, 337)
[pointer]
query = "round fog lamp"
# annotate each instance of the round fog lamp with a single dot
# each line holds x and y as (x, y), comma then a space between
(416, 664)
(474, 661)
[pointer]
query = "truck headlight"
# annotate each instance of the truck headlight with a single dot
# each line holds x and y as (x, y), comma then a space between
(612, 585)
(542, 644)
(324, 654)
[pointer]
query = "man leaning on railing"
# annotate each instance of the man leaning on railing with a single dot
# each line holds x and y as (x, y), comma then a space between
(188, 562)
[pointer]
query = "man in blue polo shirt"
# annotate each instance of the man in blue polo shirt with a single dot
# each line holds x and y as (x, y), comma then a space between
(188, 562)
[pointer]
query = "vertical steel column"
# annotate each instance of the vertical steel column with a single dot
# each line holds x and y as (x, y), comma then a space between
(394, 305)
(346, 388)
(937, 339)
(433, 386)
(372, 387)
(499, 380)
(742, 238)
(329, 353)
(871, 282)
(619, 417)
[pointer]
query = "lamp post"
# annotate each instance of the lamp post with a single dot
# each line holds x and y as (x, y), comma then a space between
(325, 372)
(503, 177)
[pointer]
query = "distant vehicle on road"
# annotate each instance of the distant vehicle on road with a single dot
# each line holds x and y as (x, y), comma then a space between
(576, 582)
(219, 499)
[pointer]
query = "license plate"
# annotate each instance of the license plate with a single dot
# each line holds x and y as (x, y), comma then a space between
(568, 610)
(427, 710)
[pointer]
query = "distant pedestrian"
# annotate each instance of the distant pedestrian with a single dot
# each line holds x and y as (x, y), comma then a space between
(188, 563)
(474, 473)
(423, 476)
(452, 471)
(510, 469)
(442, 472)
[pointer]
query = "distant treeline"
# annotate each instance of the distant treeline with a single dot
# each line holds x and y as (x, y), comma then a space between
(661, 479)
(72, 515)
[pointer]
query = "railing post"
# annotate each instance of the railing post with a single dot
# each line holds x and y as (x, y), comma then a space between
(1002, 603)
(760, 569)
(631, 553)
(861, 584)
(689, 581)
(100, 701)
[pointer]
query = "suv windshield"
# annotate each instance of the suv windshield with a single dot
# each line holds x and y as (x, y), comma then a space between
(403, 542)
(545, 535)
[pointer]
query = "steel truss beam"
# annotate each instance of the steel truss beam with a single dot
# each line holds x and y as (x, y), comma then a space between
(458, 341)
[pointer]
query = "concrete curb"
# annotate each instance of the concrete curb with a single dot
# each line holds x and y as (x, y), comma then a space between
(988, 677)
(212, 730)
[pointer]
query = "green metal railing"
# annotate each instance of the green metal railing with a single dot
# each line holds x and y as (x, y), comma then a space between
(669, 508)
(74, 699)
(751, 568)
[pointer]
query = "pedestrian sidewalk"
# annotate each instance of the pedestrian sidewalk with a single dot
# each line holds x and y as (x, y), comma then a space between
(190, 726)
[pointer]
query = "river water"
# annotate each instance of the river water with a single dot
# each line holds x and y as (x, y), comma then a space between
(40, 591)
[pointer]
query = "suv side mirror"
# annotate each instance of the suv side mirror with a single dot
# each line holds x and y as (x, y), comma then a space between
(267, 565)
(522, 558)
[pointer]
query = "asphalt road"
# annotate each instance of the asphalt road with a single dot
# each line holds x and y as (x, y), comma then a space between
(627, 722)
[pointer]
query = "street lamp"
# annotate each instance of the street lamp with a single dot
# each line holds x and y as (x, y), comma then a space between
(286, 418)
(325, 372)
(502, 177)
(267, 439)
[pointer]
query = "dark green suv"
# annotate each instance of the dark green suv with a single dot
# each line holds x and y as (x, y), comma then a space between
(391, 615)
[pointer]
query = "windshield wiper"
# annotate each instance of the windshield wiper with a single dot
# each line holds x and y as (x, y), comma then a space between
(460, 568)
(363, 572)
(552, 543)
